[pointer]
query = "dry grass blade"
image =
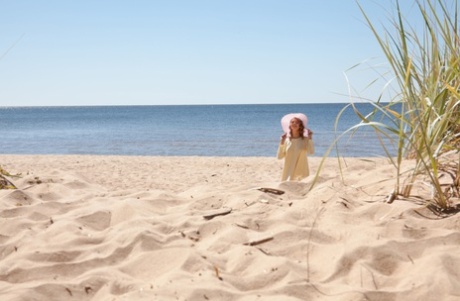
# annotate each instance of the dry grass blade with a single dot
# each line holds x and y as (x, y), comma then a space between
(4, 182)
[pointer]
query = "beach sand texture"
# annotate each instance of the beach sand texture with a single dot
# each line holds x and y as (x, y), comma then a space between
(133, 228)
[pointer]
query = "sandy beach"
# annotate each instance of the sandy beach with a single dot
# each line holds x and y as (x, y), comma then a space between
(201, 228)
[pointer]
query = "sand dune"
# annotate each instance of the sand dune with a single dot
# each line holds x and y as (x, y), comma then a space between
(133, 228)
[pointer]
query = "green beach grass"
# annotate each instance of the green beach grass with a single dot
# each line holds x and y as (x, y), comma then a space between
(425, 108)
(424, 63)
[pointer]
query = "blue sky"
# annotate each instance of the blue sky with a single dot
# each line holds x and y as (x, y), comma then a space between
(152, 52)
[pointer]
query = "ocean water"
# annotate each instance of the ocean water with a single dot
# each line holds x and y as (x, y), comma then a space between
(195, 130)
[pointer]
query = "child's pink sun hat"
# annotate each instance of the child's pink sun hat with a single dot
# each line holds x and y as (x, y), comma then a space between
(286, 120)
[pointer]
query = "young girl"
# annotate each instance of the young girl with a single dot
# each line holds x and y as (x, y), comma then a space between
(296, 143)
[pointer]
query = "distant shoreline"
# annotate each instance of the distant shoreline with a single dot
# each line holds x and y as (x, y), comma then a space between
(185, 105)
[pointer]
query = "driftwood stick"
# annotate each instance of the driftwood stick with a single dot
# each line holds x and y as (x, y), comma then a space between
(391, 197)
(258, 242)
(271, 190)
(222, 211)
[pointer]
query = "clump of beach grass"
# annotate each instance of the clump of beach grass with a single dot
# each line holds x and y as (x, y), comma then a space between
(4, 182)
(422, 118)
(425, 67)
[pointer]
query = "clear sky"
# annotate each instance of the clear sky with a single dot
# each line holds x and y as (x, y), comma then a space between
(153, 52)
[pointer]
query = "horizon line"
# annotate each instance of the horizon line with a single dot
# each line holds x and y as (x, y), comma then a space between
(147, 105)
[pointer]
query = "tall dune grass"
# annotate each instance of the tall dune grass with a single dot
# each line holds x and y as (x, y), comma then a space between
(425, 65)
(425, 69)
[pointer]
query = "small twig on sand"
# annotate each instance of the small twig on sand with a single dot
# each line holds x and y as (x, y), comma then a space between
(391, 197)
(258, 242)
(263, 251)
(271, 190)
(223, 211)
(216, 270)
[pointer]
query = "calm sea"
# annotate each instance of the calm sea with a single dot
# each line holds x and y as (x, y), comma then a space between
(198, 130)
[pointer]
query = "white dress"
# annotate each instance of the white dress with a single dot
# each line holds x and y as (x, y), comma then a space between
(295, 152)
